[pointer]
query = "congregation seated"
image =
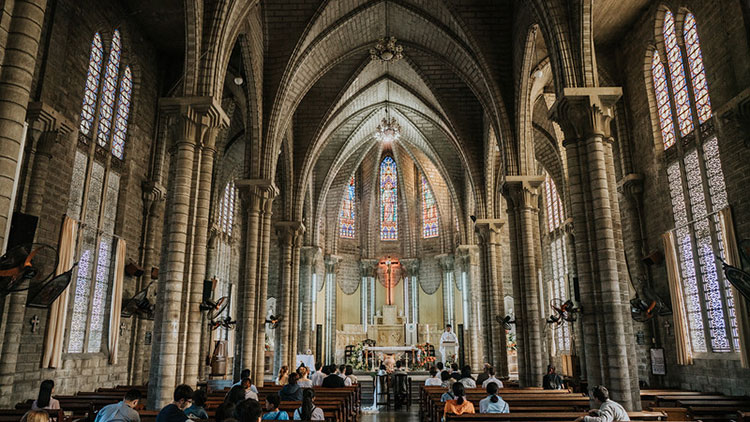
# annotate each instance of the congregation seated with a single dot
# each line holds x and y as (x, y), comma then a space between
(122, 411)
(291, 391)
(434, 380)
(458, 405)
(493, 403)
(455, 373)
(349, 372)
(197, 410)
(552, 381)
(246, 374)
(440, 368)
(333, 380)
(235, 396)
(447, 379)
(35, 416)
(308, 411)
(249, 411)
(466, 378)
(283, 376)
(247, 387)
(175, 411)
(490, 379)
(304, 381)
(318, 377)
(609, 410)
(272, 409)
(45, 400)
(400, 367)
(484, 375)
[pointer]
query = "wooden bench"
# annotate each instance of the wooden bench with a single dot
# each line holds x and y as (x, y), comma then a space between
(544, 416)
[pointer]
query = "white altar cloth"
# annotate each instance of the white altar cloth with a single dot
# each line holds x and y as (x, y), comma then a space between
(371, 350)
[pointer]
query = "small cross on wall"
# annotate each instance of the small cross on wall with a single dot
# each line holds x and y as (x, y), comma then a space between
(34, 323)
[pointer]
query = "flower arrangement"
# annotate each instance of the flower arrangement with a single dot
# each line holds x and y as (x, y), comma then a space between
(424, 359)
(357, 358)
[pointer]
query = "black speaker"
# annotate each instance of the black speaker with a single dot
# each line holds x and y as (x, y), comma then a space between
(318, 342)
(22, 229)
(576, 290)
(461, 350)
(208, 289)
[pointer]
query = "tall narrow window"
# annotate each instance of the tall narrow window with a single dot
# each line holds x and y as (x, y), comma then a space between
(226, 208)
(697, 189)
(388, 200)
(429, 211)
(222, 264)
(123, 111)
(109, 90)
(557, 258)
(554, 205)
(346, 216)
(91, 91)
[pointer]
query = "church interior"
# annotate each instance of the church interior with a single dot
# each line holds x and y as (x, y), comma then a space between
(193, 188)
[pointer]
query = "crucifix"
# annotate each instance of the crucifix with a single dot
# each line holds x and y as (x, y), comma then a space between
(389, 271)
(34, 322)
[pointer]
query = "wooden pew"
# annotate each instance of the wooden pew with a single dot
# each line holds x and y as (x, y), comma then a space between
(15, 415)
(543, 416)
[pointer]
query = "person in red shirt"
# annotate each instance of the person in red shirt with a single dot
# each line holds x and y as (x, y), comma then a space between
(460, 404)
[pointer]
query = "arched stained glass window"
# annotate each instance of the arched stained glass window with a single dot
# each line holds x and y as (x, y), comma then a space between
(677, 73)
(388, 200)
(88, 109)
(555, 215)
(346, 216)
(123, 111)
(697, 71)
(429, 211)
(662, 101)
(109, 90)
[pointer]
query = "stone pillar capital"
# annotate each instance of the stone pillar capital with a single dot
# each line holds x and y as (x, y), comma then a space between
(411, 265)
(152, 193)
(289, 233)
(446, 262)
(467, 255)
(196, 120)
(367, 267)
(632, 186)
(332, 263)
(521, 191)
(258, 194)
(48, 126)
(309, 255)
(585, 112)
(489, 230)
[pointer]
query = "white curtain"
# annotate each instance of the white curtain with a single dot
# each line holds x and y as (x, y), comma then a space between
(684, 350)
(741, 305)
(54, 336)
(116, 308)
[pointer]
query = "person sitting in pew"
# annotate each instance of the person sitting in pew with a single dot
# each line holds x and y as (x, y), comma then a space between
(197, 410)
(341, 371)
(491, 379)
(493, 403)
(319, 375)
(247, 385)
(447, 380)
(459, 405)
(304, 381)
(552, 381)
(484, 375)
(175, 411)
(434, 379)
(249, 411)
(35, 416)
(440, 367)
(272, 407)
(308, 411)
(291, 391)
(333, 380)
(609, 411)
(122, 411)
(283, 376)
(246, 374)
(44, 400)
(349, 372)
(466, 378)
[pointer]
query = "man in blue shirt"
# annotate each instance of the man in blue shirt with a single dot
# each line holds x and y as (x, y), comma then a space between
(175, 411)
(123, 411)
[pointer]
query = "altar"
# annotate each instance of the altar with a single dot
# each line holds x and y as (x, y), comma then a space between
(377, 353)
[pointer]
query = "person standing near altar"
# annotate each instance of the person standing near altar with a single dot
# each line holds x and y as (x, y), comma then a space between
(448, 343)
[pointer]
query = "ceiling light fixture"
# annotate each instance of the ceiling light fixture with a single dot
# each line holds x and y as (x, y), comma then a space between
(238, 80)
(387, 49)
(388, 130)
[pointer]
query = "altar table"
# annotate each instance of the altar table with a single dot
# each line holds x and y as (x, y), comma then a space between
(371, 350)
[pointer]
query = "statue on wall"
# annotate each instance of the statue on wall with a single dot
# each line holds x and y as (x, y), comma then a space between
(390, 273)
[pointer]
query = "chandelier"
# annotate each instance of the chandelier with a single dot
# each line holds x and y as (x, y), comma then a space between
(388, 130)
(387, 50)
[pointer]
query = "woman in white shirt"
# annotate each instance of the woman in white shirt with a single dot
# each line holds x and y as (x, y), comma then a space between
(308, 411)
(434, 379)
(44, 400)
(303, 381)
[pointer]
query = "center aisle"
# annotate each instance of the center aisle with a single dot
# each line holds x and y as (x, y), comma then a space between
(390, 415)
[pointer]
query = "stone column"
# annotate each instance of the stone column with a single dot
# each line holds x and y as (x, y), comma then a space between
(449, 307)
(489, 235)
(412, 272)
(468, 260)
(153, 213)
(332, 268)
(367, 272)
(521, 194)
(309, 257)
(15, 83)
(584, 114)
(289, 234)
(258, 195)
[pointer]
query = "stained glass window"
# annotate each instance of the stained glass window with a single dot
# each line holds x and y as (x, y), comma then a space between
(697, 71)
(123, 111)
(555, 215)
(88, 109)
(662, 101)
(559, 260)
(225, 216)
(429, 211)
(388, 200)
(109, 90)
(677, 74)
(346, 216)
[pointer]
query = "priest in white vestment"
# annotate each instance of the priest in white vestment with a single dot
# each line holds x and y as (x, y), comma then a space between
(448, 344)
